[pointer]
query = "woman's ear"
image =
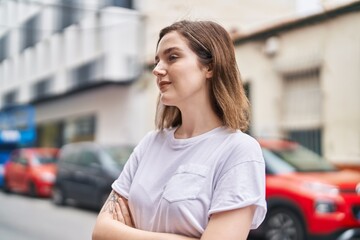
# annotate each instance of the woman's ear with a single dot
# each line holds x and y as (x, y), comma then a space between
(209, 73)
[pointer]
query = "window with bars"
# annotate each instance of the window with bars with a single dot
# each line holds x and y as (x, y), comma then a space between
(302, 107)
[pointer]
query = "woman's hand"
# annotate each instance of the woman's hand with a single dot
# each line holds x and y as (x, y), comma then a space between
(122, 211)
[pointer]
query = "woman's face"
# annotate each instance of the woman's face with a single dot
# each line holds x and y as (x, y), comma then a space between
(181, 78)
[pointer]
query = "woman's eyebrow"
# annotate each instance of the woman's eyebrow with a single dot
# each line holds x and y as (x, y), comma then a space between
(167, 51)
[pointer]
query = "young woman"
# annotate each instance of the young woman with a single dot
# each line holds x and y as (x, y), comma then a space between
(198, 176)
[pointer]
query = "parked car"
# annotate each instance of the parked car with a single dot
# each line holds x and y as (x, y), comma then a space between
(86, 171)
(5, 151)
(31, 171)
(307, 197)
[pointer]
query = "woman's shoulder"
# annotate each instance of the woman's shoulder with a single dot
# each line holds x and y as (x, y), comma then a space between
(240, 138)
(245, 144)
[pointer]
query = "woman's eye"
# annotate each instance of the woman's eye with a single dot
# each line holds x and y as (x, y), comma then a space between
(172, 57)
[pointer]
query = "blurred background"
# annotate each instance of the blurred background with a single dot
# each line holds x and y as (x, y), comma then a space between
(80, 70)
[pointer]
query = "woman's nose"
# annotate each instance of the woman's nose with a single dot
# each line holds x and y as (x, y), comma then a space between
(159, 70)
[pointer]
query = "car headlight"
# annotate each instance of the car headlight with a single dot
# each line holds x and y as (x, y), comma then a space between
(47, 177)
(325, 206)
(321, 188)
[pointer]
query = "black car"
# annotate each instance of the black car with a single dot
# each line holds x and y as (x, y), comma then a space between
(86, 171)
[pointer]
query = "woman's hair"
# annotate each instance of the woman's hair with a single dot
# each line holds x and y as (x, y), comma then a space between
(214, 47)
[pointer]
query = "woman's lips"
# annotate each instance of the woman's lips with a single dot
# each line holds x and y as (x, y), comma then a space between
(163, 85)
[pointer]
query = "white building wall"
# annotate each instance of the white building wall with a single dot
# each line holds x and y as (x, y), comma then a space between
(123, 113)
(333, 46)
(341, 89)
(237, 15)
(265, 89)
(112, 36)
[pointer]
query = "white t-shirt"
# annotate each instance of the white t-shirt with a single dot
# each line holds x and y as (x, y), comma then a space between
(174, 185)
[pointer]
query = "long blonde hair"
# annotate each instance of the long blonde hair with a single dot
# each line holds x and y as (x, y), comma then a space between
(213, 46)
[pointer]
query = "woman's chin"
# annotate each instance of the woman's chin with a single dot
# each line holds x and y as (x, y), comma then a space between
(166, 101)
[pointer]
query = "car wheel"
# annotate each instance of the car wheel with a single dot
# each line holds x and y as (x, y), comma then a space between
(283, 224)
(58, 196)
(32, 190)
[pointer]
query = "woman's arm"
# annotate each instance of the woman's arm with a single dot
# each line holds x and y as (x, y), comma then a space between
(114, 223)
(230, 225)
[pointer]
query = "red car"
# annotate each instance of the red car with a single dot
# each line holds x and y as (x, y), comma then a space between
(307, 197)
(31, 171)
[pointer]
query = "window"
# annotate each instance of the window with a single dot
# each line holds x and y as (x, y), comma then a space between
(31, 33)
(80, 129)
(119, 3)
(42, 88)
(302, 107)
(68, 13)
(247, 88)
(15, 155)
(70, 155)
(89, 158)
(4, 47)
(10, 98)
(302, 99)
(23, 160)
(84, 74)
(309, 138)
(50, 134)
(85, 126)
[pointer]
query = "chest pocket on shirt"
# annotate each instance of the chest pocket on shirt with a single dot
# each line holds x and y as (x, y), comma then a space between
(186, 183)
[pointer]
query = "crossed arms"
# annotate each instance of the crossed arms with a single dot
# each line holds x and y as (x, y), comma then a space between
(114, 222)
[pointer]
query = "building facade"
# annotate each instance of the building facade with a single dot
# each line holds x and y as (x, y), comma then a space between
(234, 15)
(79, 64)
(303, 78)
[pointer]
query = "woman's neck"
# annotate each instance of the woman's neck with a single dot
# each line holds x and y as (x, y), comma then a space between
(196, 123)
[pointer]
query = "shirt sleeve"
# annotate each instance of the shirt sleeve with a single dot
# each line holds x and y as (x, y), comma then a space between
(242, 185)
(123, 183)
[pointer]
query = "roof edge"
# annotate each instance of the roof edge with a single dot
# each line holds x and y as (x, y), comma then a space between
(293, 23)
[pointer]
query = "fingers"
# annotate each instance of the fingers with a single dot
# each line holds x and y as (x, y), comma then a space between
(121, 212)
(118, 213)
(125, 212)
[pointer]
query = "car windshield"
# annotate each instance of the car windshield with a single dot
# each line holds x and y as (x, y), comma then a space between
(44, 158)
(300, 159)
(118, 155)
(275, 164)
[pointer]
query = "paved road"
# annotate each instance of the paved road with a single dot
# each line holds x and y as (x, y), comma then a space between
(25, 218)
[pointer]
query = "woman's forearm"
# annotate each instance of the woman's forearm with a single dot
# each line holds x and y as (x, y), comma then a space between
(109, 229)
(114, 222)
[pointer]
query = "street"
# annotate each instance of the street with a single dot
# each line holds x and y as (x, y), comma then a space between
(25, 218)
